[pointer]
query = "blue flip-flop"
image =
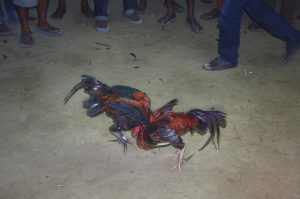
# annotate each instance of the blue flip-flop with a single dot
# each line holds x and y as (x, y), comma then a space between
(49, 31)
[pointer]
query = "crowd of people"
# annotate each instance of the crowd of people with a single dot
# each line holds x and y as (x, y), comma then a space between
(229, 13)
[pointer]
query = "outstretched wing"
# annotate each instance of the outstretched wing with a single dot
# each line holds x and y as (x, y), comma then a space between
(157, 114)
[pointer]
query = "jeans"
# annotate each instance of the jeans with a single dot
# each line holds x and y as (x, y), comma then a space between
(100, 8)
(10, 10)
(261, 13)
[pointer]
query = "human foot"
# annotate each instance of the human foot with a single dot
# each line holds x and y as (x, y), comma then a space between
(167, 19)
(26, 41)
(49, 30)
(194, 25)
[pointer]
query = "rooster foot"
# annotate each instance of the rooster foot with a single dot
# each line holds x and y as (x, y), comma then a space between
(178, 157)
(122, 139)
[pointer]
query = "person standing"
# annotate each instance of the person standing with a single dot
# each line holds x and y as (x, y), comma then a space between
(229, 31)
(101, 15)
(43, 27)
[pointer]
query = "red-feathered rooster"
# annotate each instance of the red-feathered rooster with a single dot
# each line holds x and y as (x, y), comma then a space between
(170, 126)
(127, 106)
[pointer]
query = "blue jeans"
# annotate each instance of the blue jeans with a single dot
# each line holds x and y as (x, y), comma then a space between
(100, 8)
(10, 10)
(261, 13)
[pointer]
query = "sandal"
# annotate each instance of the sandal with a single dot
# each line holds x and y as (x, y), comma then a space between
(214, 13)
(50, 31)
(194, 26)
(167, 19)
(26, 41)
(218, 64)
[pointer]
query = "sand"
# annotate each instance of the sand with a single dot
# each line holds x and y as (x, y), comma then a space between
(48, 150)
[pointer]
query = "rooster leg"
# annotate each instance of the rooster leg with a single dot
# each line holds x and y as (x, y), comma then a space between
(178, 157)
(119, 135)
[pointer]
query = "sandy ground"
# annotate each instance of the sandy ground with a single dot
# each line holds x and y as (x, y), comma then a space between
(48, 150)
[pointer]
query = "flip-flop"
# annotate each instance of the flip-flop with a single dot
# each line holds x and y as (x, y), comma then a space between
(194, 26)
(214, 13)
(167, 19)
(26, 41)
(49, 31)
(218, 64)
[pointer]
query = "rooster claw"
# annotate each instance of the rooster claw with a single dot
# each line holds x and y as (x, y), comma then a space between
(122, 139)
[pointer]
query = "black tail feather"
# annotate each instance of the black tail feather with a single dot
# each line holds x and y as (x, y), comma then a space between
(211, 121)
(90, 84)
(77, 87)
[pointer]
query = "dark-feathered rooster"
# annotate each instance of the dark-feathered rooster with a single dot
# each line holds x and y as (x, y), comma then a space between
(170, 126)
(127, 106)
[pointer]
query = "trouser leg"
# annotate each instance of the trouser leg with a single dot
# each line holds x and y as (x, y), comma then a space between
(229, 29)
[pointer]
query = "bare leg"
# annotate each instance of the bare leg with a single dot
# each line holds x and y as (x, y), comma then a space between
(60, 10)
(26, 40)
(170, 16)
(190, 18)
(85, 9)
(42, 16)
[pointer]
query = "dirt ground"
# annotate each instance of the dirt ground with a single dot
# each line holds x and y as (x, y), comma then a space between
(48, 150)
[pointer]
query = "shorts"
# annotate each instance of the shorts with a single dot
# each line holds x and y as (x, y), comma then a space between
(26, 3)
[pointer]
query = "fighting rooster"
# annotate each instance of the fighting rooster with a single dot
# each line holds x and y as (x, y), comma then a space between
(168, 128)
(127, 106)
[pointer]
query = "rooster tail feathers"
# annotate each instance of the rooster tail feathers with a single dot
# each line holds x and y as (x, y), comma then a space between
(91, 85)
(211, 121)
(77, 87)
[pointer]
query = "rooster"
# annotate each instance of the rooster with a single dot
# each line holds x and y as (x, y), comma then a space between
(127, 106)
(167, 129)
